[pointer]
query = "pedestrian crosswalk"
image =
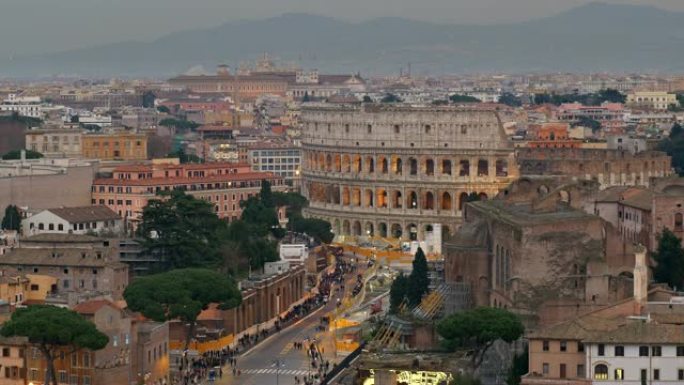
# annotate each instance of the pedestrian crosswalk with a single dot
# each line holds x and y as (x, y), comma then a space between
(282, 372)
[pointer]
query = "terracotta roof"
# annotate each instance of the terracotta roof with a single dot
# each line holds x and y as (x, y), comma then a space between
(243, 176)
(91, 307)
(642, 199)
(61, 257)
(579, 328)
(636, 332)
(85, 214)
(61, 238)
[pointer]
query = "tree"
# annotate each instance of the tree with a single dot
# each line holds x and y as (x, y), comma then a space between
(610, 95)
(456, 98)
(164, 109)
(674, 147)
(519, 368)
(542, 98)
(391, 98)
(148, 98)
(398, 292)
(478, 329)
(185, 125)
(181, 295)
(183, 157)
(670, 260)
(510, 99)
(52, 330)
(12, 218)
(306, 98)
(319, 229)
(585, 121)
(181, 230)
(419, 282)
(367, 99)
(16, 154)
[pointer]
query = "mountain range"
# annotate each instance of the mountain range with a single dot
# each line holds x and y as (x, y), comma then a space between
(597, 37)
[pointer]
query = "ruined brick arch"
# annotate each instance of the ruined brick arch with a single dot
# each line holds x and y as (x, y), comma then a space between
(321, 162)
(501, 168)
(412, 231)
(382, 229)
(336, 226)
(413, 166)
(464, 167)
(564, 197)
(446, 201)
(336, 194)
(346, 196)
(346, 163)
(482, 167)
(381, 198)
(356, 197)
(483, 196)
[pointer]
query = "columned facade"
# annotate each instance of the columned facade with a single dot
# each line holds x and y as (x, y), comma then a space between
(395, 171)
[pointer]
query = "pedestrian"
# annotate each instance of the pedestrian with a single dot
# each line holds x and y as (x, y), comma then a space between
(234, 371)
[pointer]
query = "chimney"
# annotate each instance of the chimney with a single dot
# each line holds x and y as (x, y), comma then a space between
(640, 278)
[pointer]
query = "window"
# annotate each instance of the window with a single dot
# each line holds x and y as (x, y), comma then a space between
(545, 368)
(619, 374)
(601, 350)
(619, 351)
(33, 374)
(656, 351)
(563, 346)
(74, 380)
(563, 372)
(580, 347)
(600, 372)
(115, 341)
(86, 380)
(656, 374)
(644, 376)
(643, 351)
(74, 360)
(580, 371)
(396, 129)
(680, 351)
(680, 374)
(545, 346)
(5, 352)
(62, 376)
(86, 360)
(65, 283)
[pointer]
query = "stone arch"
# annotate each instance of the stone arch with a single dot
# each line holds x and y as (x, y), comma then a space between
(482, 167)
(429, 167)
(396, 231)
(382, 229)
(321, 162)
(357, 164)
(336, 194)
(397, 201)
(397, 165)
(446, 201)
(328, 163)
(338, 163)
(564, 197)
(464, 167)
(356, 197)
(370, 164)
(501, 168)
(413, 166)
(346, 163)
(368, 198)
(336, 226)
(462, 200)
(345, 196)
(412, 200)
(429, 203)
(356, 228)
(483, 196)
(383, 164)
(412, 231)
(346, 227)
(369, 229)
(446, 232)
(381, 198)
(428, 228)
(446, 166)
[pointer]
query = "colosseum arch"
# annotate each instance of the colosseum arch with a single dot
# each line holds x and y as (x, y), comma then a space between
(336, 226)
(412, 200)
(397, 201)
(336, 194)
(446, 166)
(368, 198)
(346, 227)
(482, 167)
(345, 196)
(370, 165)
(462, 200)
(381, 197)
(383, 164)
(501, 168)
(382, 229)
(357, 164)
(397, 165)
(396, 231)
(369, 229)
(321, 162)
(412, 231)
(413, 166)
(328, 163)
(346, 163)
(429, 203)
(356, 228)
(429, 167)
(338, 163)
(483, 196)
(446, 201)
(356, 197)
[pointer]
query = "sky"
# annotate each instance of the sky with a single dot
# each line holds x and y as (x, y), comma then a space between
(39, 26)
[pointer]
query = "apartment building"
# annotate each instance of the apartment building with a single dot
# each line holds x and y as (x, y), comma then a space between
(55, 143)
(114, 145)
(222, 184)
(656, 100)
(73, 220)
(283, 160)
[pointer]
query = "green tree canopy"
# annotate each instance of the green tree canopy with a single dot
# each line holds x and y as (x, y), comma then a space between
(184, 125)
(419, 282)
(319, 229)
(478, 329)
(674, 147)
(398, 292)
(367, 99)
(51, 329)
(510, 99)
(456, 98)
(181, 230)
(164, 109)
(12, 218)
(16, 154)
(181, 294)
(670, 260)
(183, 157)
(391, 98)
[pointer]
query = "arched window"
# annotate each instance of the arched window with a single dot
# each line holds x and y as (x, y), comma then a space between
(446, 167)
(413, 166)
(429, 201)
(600, 372)
(446, 201)
(678, 222)
(430, 167)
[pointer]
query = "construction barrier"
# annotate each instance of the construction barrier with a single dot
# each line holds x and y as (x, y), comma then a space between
(205, 346)
(346, 346)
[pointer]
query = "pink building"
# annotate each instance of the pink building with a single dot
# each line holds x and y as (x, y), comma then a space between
(222, 184)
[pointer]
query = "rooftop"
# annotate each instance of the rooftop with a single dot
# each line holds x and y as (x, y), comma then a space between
(59, 257)
(85, 214)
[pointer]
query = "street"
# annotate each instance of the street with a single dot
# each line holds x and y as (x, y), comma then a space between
(277, 360)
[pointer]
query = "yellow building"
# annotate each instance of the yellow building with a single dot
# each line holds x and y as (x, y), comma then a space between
(657, 100)
(115, 146)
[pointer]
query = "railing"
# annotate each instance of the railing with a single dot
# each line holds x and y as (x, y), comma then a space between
(342, 365)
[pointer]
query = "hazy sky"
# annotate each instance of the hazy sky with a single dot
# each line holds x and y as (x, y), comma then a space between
(31, 26)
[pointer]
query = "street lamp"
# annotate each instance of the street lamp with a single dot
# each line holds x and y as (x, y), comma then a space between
(278, 364)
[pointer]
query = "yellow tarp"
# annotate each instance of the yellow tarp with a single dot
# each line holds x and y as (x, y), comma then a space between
(206, 346)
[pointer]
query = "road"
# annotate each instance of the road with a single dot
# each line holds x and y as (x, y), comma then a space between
(258, 366)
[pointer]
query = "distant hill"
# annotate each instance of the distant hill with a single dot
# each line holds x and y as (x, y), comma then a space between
(594, 37)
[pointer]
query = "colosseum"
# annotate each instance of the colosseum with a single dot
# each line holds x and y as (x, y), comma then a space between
(396, 171)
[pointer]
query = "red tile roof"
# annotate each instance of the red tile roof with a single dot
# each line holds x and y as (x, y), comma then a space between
(91, 307)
